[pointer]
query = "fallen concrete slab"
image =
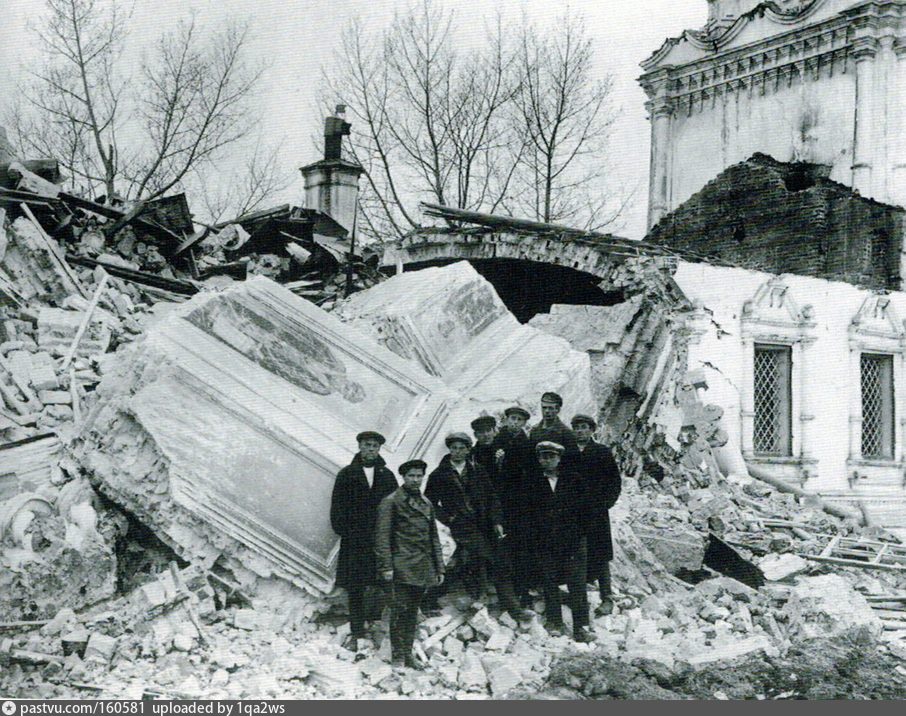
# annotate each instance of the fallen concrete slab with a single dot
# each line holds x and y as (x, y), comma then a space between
(223, 429)
(451, 322)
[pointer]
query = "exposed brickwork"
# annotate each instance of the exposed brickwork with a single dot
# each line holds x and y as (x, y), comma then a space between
(789, 218)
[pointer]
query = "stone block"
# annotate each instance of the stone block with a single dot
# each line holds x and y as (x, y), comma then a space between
(503, 679)
(375, 670)
(499, 640)
(827, 606)
(61, 620)
(100, 648)
(676, 546)
(453, 648)
(472, 675)
(55, 397)
(780, 567)
(43, 372)
(483, 623)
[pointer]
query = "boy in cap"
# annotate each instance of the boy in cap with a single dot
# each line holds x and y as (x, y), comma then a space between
(599, 470)
(467, 503)
(560, 511)
(409, 556)
(357, 492)
(551, 428)
(513, 458)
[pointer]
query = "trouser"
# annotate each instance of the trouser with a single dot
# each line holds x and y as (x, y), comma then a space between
(357, 611)
(524, 565)
(555, 569)
(403, 614)
(604, 584)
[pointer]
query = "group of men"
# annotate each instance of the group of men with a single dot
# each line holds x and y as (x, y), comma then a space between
(527, 509)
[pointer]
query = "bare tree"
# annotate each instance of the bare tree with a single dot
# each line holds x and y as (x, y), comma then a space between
(429, 120)
(566, 116)
(246, 188)
(139, 136)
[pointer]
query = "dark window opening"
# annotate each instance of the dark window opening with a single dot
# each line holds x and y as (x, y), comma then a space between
(877, 406)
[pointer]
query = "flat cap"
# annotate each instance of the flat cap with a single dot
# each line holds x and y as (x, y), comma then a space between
(370, 435)
(516, 410)
(552, 398)
(549, 446)
(457, 438)
(410, 464)
(484, 422)
(582, 418)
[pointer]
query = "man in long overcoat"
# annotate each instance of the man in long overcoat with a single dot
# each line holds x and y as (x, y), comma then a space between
(466, 502)
(513, 456)
(560, 508)
(597, 466)
(409, 556)
(357, 492)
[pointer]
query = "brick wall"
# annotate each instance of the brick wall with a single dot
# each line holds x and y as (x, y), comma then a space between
(789, 218)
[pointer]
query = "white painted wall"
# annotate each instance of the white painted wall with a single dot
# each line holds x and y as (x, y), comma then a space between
(828, 381)
(808, 121)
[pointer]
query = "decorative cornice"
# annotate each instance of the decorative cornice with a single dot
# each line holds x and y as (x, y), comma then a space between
(804, 52)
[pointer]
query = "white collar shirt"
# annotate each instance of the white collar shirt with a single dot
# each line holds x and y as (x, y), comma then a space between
(369, 476)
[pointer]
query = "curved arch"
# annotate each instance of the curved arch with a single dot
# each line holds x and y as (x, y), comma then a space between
(579, 254)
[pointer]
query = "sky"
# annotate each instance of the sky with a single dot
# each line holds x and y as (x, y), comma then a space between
(297, 37)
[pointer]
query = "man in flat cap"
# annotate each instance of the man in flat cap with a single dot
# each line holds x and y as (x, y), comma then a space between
(551, 428)
(467, 503)
(560, 508)
(484, 428)
(357, 492)
(513, 458)
(409, 556)
(598, 468)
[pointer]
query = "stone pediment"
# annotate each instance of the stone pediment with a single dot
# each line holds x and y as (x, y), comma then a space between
(765, 20)
(877, 317)
(773, 305)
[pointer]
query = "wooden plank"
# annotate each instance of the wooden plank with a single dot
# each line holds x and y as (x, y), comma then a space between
(829, 547)
(54, 251)
(86, 319)
(854, 563)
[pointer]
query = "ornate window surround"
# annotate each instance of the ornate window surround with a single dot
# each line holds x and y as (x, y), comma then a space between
(876, 328)
(772, 316)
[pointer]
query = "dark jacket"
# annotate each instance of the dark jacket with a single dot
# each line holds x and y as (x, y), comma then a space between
(406, 539)
(601, 474)
(511, 477)
(467, 504)
(560, 517)
(483, 456)
(353, 512)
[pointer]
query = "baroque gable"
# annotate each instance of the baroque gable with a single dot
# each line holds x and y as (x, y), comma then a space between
(773, 306)
(877, 317)
(753, 25)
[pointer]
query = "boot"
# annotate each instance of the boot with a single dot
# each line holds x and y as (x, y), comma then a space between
(582, 635)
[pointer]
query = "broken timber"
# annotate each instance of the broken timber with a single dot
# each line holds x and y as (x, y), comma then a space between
(862, 553)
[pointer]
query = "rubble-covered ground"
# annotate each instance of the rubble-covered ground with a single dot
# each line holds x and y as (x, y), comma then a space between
(709, 570)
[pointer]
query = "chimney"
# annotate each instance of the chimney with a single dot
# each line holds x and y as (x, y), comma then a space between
(332, 184)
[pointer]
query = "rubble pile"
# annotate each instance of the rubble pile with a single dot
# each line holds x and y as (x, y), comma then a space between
(217, 418)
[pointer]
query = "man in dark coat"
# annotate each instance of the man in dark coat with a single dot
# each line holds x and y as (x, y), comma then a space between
(560, 507)
(409, 556)
(466, 502)
(484, 428)
(597, 466)
(513, 458)
(357, 492)
(552, 429)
